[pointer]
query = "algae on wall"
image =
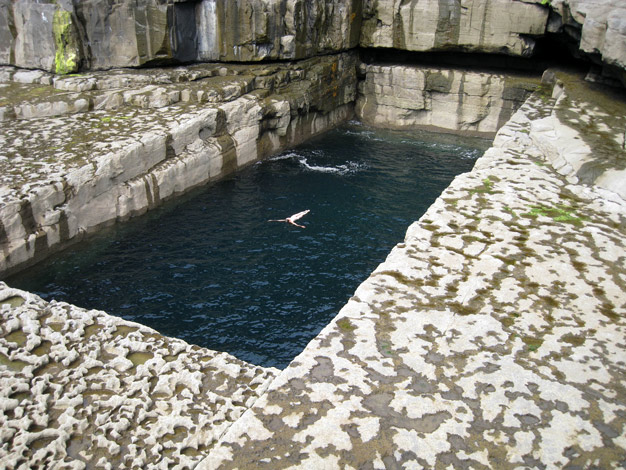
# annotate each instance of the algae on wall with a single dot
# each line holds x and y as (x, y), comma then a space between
(66, 59)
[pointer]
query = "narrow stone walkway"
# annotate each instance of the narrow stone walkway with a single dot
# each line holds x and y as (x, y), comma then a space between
(493, 337)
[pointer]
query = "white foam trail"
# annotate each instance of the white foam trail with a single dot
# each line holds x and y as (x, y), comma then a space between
(350, 167)
(347, 168)
(286, 156)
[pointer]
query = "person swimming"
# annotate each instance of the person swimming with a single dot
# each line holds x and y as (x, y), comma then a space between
(292, 220)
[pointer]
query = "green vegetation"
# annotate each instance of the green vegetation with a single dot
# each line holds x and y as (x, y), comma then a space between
(487, 186)
(558, 213)
(346, 325)
(532, 344)
(66, 57)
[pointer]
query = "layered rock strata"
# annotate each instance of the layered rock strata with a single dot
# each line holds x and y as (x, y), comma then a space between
(83, 389)
(492, 337)
(69, 35)
(497, 26)
(121, 143)
(409, 96)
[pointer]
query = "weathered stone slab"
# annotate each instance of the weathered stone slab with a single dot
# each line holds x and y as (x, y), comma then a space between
(82, 389)
(584, 137)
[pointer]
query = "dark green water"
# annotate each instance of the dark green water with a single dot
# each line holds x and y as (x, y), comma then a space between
(211, 269)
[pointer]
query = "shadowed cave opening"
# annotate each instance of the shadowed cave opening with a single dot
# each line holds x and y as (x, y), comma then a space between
(210, 269)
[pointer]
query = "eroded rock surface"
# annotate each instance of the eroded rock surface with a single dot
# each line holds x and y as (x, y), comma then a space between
(499, 26)
(68, 36)
(492, 337)
(83, 389)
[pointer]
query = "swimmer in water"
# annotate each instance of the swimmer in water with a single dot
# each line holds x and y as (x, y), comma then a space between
(292, 220)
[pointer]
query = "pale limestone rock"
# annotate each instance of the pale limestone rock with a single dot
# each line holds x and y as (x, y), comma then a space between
(92, 167)
(95, 391)
(501, 26)
(402, 96)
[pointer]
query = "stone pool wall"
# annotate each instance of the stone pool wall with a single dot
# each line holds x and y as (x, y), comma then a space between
(493, 336)
(468, 101)
(79, 152)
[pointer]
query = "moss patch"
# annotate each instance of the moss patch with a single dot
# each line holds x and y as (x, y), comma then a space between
(346, 325)
(65, 41)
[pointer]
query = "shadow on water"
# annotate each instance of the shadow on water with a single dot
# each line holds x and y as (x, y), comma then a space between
(209, 268)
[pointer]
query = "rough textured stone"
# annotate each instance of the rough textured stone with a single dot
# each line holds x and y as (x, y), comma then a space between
(500, 26)
(597, 28)
(96, 35)
(404, 96)
(65, 36)
(261, 29)
(584, 136)
(135, 139)
(82, 389)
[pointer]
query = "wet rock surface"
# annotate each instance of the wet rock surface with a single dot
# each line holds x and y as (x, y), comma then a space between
(83, 389)
(492, 337)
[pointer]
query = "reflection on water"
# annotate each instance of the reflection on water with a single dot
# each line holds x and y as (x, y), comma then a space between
(211, 270)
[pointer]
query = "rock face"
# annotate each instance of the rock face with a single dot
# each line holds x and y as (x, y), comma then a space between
(93, 35)
(597, 28)
(70, 35)
(597, 158)
(133, 140)
(446, 98)
(499, 26)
